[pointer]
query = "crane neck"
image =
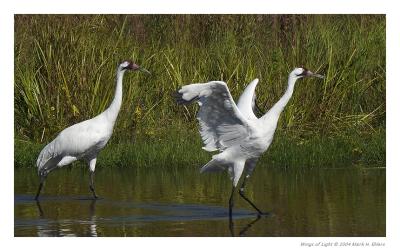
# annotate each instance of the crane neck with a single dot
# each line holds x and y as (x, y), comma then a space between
(112, 111)
(276, 110)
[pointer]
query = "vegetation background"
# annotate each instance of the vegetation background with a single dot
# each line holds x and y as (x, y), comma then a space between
(65, 70)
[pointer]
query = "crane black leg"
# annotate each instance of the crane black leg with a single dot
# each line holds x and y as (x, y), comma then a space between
(231, 203)
(39, 208)
(42, 178)
(91, 186)
(231, 227)
(38, 191)
(230, 212)
(241, 192)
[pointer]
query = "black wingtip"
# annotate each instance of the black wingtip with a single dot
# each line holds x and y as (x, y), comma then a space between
(178, 98)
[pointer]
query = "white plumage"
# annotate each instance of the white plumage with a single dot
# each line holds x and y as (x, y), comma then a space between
(80, 141)
(221, 123)
(234, 130)
(247, 102)
(85, 139)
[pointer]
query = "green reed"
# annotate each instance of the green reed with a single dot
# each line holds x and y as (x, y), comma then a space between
(65, 69)
(182, 150)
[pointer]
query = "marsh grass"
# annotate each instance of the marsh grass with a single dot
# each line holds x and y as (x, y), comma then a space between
(65, 70)
(183, 151)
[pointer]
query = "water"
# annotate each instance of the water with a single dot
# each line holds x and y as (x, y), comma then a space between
(181, 202)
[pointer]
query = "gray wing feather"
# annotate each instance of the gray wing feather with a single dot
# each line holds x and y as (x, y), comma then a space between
(221, 122)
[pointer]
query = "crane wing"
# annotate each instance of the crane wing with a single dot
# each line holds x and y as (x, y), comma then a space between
(221, 122)
(86, 138)
(247, 102)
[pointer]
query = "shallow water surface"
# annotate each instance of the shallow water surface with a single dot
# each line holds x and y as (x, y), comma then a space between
(181, 202)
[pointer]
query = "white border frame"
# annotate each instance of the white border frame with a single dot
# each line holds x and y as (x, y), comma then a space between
(8, 9)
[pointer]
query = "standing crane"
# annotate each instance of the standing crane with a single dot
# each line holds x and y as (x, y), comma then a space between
(86, 139)
(234, 130)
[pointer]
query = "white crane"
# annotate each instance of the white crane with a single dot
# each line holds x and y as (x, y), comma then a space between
(234, 130)
(85, 139)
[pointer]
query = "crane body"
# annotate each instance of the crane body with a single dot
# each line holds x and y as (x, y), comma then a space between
(86, 139)
(234, 130)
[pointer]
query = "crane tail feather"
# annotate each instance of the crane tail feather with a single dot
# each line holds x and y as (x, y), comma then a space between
(48, 159)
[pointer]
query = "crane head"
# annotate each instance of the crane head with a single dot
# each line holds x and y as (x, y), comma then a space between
(302, 72)
(129, 65)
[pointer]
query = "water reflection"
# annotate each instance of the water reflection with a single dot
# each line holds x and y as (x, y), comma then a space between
(47, 223)
(93, 218)
(144, 203)
(64, 226)
(244, 229)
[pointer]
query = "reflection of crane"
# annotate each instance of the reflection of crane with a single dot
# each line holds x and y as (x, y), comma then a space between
(93, 219)
(85, 139)
(234, 130)
(243, 230)
(64, 226)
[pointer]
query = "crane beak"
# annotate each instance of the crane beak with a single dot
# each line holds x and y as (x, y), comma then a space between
(144, 70)
(312, 74)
